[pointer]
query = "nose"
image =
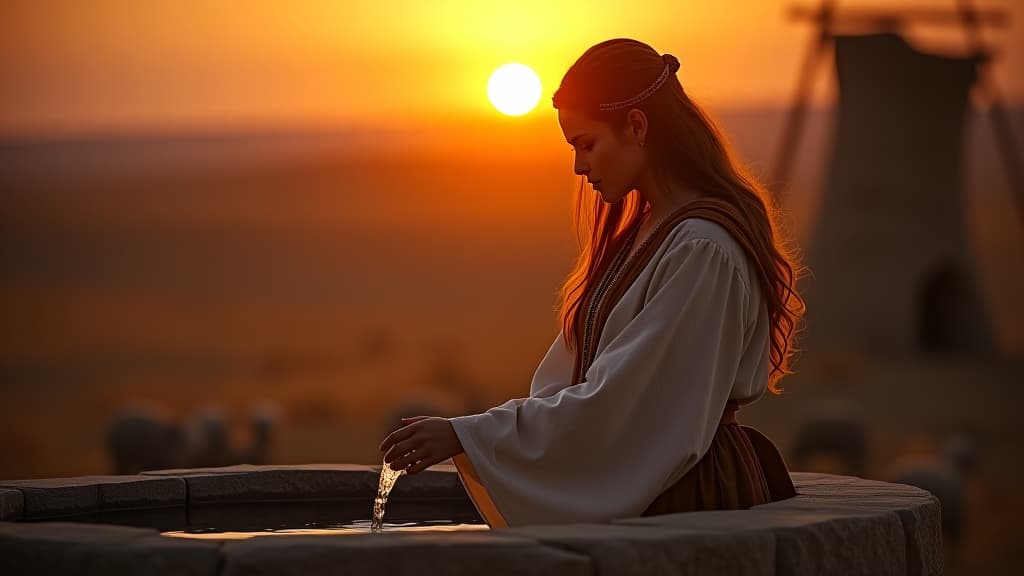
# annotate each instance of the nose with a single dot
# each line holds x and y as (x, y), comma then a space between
(580, 167)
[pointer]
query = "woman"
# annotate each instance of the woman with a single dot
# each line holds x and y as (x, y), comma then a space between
(680, 309)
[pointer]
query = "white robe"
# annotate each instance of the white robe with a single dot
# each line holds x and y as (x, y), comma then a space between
(690, 333)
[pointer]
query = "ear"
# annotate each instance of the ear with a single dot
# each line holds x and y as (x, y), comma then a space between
(636, 126)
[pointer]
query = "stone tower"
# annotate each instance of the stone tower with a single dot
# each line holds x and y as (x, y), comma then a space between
(891, 269)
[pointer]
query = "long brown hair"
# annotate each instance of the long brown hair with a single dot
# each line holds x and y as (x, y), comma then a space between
(686, 147)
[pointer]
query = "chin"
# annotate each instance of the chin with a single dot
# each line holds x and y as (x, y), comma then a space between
(611, 197)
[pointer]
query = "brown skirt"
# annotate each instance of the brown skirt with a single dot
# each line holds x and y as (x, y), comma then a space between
(742, 468)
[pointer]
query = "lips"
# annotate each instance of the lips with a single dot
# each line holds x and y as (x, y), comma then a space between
(594, 182)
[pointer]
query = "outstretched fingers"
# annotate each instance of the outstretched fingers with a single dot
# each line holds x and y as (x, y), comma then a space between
(423, 464)
(403, 433)
(402, 448)
(405, 461)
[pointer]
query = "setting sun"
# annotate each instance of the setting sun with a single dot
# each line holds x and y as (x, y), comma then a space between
(514, 89)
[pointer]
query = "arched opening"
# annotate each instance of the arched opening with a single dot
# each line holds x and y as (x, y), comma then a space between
(950, 317)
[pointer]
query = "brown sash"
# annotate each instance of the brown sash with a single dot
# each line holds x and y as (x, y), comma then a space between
(742, 468)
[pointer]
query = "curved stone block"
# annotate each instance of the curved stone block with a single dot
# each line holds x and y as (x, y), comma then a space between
(423, 554)
(808, 542)
(12, 504)
(56, 497)
(63, 497)
(918, 511)
(72, 548)
(241, 484)
(660, 550)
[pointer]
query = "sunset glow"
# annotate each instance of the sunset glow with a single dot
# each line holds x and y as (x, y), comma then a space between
(115, 65)
(514, 89)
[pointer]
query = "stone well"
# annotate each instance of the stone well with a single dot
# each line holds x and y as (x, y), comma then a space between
(112, 524)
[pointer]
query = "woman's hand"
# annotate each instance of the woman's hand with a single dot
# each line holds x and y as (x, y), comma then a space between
(421, 442)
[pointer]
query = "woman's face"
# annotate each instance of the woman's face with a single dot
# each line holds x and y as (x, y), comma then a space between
(611, 160)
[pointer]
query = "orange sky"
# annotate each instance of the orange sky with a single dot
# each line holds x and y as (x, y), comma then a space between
(121, 65)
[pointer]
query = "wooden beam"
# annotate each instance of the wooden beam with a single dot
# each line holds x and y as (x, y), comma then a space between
(871, 16)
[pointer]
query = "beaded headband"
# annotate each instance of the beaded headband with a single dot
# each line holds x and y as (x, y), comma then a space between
(658, 83)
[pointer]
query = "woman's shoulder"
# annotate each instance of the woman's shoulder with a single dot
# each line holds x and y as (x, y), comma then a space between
(710, 232)
(714, 236)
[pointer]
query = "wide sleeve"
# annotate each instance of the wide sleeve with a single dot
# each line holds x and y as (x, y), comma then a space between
(646, 412)
(554, 371)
